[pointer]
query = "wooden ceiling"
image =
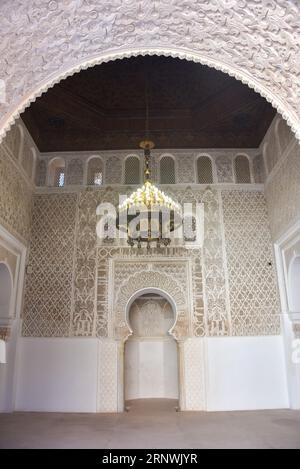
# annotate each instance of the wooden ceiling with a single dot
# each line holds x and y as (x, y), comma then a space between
(190, 106)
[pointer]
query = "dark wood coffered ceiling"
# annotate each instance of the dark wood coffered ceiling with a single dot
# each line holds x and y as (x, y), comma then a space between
(190, 106)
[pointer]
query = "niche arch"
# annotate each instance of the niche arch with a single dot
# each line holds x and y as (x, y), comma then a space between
(151, 361)
(156, 291)
(150, 281)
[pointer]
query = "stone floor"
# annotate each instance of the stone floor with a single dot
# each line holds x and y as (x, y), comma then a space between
(152, 424)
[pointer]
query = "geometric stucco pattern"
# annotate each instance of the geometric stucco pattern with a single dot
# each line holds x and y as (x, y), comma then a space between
(49, 278)
(194, 374)
(254, 298)
(257, 41)
(15, 197)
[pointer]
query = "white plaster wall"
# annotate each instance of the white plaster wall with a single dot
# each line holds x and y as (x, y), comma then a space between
(240, 373)
(151, 369)
(246, 373)
(57, 375)
(7, 371)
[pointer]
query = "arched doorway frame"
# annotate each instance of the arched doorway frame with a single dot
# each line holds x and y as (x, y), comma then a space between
(163, 294)
(149, 290)
(123, 287)
(277, 102)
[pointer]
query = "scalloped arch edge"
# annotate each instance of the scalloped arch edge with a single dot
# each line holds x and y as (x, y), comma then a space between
(282, 108)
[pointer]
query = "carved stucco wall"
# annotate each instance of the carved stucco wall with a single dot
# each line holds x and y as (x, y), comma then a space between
(16, 188)
(254, 298)
(67, 292)
(256, 41)
(283, 182)
(49, 279)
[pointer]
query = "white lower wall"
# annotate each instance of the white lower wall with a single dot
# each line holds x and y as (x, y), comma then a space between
(240, 373)
(7, 371)
(245, 373)
(57, 375)
(151, 369)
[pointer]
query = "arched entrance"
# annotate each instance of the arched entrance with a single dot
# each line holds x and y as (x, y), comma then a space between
(5, 291)
(151, 356)
(295, 286)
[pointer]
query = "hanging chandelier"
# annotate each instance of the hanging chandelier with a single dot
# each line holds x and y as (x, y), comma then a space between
(148, 215)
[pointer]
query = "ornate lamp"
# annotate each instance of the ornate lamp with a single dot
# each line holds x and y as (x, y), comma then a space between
(148, 215)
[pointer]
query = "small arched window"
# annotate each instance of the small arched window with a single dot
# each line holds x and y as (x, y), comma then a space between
(204, 170)
(132, 170)
(56, 172)
(95, 172)
(167, 170)
(242, 170)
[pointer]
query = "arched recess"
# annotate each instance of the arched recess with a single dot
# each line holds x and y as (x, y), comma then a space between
(150, 281)
(167, 169)
(56, 172)
(132, 170)
(94, 171)
(151, 353)
(294, 282)
(204, 166)
(242, 169)
(6, 289)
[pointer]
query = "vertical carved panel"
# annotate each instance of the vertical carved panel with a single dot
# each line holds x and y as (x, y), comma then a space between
(47, 309)
(15, 198)
(75, 172)
(113, 173)
(252, 278)
(193, 377)
(85, 266)
(215, 286)
(108, 383)
(224, 169)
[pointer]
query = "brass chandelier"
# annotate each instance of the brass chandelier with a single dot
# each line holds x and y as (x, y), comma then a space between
(148, 215)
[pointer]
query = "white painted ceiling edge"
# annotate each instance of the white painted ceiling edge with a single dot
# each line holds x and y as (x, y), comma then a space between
(254, 41)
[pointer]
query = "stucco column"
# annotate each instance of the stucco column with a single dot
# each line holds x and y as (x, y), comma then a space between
(181, 375)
